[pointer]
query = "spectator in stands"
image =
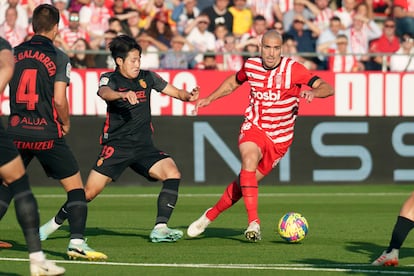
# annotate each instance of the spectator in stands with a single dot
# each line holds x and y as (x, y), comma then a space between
(94, 19)
(289, 48)
(339, 58)
(22, 16)
(269, 9)
(76, 5)
(242, 18)
(259, 27)
(380, 7)
(304, 8)
(345, 13)
(80, 59)
(10, 31)
(160, 29)
(362, 31)
(278, 26)
(179, 56)
(324, 15)
(131, 22)
(387, 43)
(105, 60)
(240, 46)
(232, 59)
(62, 6)
(282, 7)
(73, 32)
(328, 38)
(403, 12)
(184, 13)
(251, 49)
(208, 62)
(114, 23)
(219, 14)
(118, 7)
(152, 7)
(202, 4)
(364, 9)
(403, 60)
(32, 4)
(220, 33)
(306, 39)
(151, 49)
(202, 40)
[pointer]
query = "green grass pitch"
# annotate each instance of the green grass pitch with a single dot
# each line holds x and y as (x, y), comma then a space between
(349, 226)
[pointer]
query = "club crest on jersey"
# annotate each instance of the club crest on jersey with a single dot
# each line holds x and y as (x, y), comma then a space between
(142, 83)
(278, 80)
(100, 162)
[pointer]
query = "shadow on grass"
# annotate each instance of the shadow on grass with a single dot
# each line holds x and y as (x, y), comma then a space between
(222, 233)
(372, 251)
(9, 273)
(209, 233)
(21, 247)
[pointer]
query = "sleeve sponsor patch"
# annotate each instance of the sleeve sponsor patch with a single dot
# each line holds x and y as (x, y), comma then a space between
(103, 81)
(68, 69)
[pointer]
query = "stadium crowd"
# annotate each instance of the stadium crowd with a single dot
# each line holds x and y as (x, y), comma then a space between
(336, 35)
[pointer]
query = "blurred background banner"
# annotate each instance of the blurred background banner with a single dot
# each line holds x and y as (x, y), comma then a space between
(357, 94)
(326, 150)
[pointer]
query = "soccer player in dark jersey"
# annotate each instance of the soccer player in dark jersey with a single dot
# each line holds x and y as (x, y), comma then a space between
(13, 174)
(39, 119)
(267, 131)
(126, 137)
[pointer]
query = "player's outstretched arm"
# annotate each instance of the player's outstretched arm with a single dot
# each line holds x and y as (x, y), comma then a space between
(227, 87)
(62, 105)
(108, 94)
(182, 94)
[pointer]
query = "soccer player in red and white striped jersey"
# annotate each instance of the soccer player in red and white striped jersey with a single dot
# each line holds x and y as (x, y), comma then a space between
(267, 131)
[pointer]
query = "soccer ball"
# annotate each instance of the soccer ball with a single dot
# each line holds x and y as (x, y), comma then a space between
(293, 227)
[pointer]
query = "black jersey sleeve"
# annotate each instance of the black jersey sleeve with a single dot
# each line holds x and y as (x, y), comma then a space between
(63, 67)
(159, 83)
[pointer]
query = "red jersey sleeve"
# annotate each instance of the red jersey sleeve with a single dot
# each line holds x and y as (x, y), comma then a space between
(302, 76)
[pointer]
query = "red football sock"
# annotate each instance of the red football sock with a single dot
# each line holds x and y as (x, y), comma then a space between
(250, 192)
(231, 195)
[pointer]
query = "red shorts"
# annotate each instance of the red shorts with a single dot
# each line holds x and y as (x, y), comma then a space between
(271, 152)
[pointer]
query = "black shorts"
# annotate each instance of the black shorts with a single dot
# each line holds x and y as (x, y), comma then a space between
(54, 155)
(113, 160)
(8, 151)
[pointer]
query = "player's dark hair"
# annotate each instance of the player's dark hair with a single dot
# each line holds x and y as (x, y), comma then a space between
(121, 45)
(45, 17)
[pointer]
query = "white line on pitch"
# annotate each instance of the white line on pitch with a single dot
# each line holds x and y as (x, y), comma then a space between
(288, 267)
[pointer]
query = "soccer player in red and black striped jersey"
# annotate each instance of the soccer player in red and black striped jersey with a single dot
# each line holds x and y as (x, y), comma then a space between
(13, 174)
(39, 119)
(126, 137)
(267, 131)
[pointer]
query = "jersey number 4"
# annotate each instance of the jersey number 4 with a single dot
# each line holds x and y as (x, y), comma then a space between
(26, 92)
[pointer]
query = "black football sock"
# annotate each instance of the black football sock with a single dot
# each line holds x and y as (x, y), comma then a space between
(26, 212)
(77, 212)
(167, 200)
(401, 229)
(62, 214)
(5, 199)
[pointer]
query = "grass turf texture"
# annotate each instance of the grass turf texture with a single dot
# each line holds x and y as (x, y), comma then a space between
(349, 226)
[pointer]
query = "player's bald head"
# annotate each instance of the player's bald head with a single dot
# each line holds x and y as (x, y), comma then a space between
(272, 34)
